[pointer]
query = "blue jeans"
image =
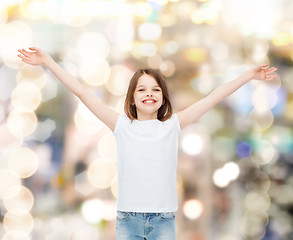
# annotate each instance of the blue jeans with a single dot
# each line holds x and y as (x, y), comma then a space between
(145, 226)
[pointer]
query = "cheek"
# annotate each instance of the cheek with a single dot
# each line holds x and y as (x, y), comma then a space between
(136, 98)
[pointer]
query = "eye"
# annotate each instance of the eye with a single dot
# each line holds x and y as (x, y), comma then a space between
(140, 90)
(157, 90)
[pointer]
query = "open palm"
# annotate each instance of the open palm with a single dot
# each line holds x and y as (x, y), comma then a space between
(36, 57)
(261, 73)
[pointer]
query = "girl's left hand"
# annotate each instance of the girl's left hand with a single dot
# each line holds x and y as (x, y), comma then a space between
(261, 73)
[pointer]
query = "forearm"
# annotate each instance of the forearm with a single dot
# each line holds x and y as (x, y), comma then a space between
(66, 78)
(227, 89)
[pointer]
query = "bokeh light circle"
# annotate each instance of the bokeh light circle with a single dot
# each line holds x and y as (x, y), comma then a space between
(95, 71)
(86, 121)
(192, 144)
(26, 97)
(107, 148)
(23, 162)
(93, 44)
(192, 209)
(22, 123)
(9, 179)
(20, 224)
(18, 200)
(101, 173)
(32, 74)
(119, 80)
(8, 140)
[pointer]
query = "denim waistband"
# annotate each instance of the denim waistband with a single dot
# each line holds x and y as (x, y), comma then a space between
(143, 214)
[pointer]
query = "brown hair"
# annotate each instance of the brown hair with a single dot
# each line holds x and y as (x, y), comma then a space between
(165, 111)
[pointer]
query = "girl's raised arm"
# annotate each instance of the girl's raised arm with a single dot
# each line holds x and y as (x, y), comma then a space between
(196, 110)
(38, 57)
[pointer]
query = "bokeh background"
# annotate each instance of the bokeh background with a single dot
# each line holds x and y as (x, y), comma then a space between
(58, 176)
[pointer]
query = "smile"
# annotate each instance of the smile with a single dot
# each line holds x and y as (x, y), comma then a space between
(149, 101)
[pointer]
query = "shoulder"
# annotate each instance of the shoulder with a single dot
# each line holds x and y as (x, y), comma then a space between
(174, 121)
(121, 121)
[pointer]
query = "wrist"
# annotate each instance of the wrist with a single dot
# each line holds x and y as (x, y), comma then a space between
(47, 60)
(249, 75)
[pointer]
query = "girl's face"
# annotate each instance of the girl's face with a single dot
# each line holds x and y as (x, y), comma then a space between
(148, 97)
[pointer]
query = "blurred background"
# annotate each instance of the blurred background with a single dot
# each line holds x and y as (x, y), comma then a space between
(58, 176)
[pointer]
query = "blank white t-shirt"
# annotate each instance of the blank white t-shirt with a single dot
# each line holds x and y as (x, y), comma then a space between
(147, 153)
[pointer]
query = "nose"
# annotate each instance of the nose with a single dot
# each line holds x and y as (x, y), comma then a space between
(149, 94)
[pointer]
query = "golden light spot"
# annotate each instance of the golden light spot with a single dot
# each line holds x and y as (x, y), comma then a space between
(196, 55)
(197, 17)
(142, 9)
(167, 20)
(281, 39)
(33, 9)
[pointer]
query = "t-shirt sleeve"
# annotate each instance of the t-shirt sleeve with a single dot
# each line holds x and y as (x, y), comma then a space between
(176, 121)
(119, 123)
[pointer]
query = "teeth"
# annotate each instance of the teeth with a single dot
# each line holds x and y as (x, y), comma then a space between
(148, 101)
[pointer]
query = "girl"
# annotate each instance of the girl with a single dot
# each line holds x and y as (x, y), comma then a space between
(147, 143)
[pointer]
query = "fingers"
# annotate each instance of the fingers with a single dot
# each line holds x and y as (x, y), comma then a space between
(34, 48)
(271, 77)
(263, 65)
(24, 58)
(267, 71)
(24, 52)
(270, 70)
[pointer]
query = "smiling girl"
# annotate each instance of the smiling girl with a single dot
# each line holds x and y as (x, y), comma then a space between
(147, 143)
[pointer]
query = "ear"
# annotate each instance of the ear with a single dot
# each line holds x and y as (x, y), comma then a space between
(163, 102)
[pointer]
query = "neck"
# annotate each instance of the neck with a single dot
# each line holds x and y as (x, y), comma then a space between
(144, 116)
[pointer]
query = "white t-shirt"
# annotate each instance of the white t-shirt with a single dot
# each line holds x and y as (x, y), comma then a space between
(147, 164)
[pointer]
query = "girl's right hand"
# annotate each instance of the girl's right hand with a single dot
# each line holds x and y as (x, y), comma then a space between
(36, 57)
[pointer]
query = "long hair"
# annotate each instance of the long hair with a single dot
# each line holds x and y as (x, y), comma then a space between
(165, 111)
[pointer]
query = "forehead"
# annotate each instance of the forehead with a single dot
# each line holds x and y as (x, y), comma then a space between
(147, 80)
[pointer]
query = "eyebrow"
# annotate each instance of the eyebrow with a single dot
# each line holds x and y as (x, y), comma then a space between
(143, 86)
